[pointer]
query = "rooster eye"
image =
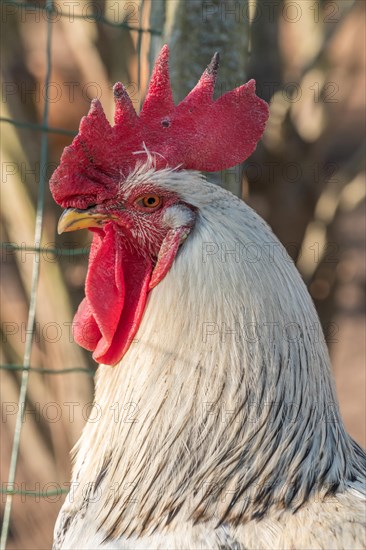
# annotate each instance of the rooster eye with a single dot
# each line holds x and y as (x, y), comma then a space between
(149, 201)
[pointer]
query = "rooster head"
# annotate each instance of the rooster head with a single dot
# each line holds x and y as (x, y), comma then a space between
(139, 225)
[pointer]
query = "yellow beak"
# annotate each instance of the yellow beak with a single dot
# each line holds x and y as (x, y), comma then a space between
(73, 219)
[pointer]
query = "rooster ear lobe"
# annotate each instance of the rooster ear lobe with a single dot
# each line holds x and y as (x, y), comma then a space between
(202, 93)
(159, 97)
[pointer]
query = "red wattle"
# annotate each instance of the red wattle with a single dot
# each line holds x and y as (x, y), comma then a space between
(116, 290)
(85, 329)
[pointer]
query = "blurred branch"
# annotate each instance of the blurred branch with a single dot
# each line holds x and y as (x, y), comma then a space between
(98, 18)
(329, 33)
(325, 211)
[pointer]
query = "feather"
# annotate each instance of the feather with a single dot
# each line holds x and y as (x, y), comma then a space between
(220, 426)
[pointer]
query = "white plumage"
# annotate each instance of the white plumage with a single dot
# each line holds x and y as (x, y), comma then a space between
(220, 427)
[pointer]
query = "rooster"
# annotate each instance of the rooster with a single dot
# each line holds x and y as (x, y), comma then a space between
(217, 424)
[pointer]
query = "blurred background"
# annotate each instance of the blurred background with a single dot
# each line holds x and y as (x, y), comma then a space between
(306, 178)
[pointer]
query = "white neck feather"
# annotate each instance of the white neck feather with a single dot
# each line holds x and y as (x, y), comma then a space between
(224, 404)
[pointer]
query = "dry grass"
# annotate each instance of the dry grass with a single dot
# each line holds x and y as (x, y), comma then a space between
(324, 204)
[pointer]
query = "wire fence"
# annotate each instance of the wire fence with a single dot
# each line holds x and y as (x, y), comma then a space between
(51, 13)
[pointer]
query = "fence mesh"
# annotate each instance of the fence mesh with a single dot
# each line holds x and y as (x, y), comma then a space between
(314, 75)
(50, 12)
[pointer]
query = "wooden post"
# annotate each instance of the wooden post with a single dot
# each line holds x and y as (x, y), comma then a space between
(195, 30)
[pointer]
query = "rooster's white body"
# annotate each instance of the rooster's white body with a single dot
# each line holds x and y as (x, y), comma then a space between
(220, 427)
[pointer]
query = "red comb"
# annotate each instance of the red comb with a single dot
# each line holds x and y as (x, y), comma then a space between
(197, 134)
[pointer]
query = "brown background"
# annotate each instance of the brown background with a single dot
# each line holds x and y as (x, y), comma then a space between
(306, 179)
